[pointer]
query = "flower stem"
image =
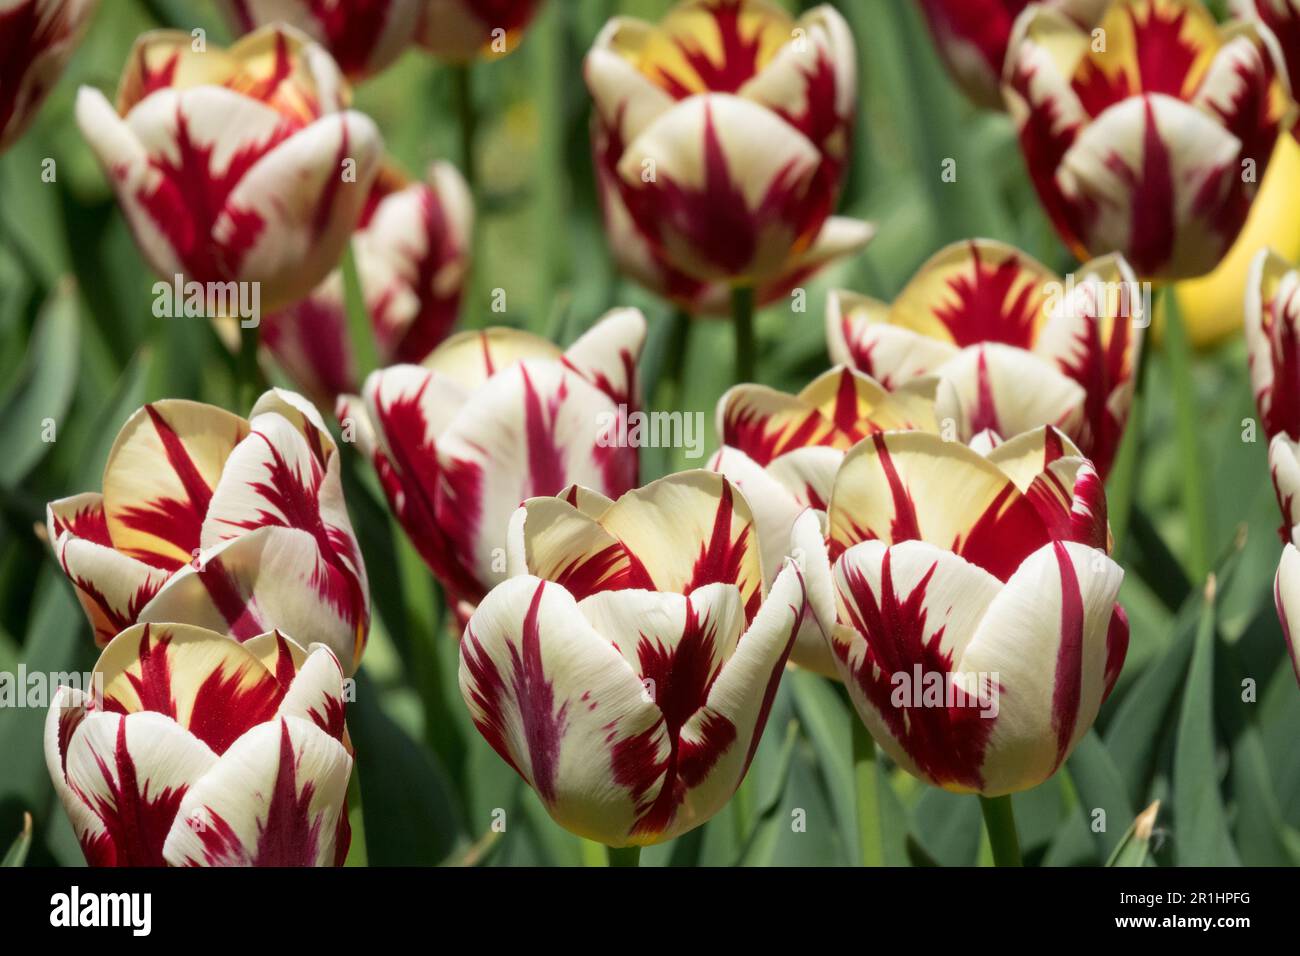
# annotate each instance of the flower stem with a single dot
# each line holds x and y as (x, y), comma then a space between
(463, 93)
(250, 372)
(742, 318)
(624, 856)
(1187, 425)
(870, 836)
(1000, 821)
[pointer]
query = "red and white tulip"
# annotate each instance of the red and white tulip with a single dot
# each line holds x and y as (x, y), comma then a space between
(627, 670)
(1282, 18)
(235, 165)
(363, 36)
(461, 30)
(1019, 345)
(721, 136)
(972, 37)
(490, 419)
(783, 451)
(984, 574)
(1286, 594)
(237, 525)
(37, 38)
(412, 249)
(204, 751)
(1150, 136)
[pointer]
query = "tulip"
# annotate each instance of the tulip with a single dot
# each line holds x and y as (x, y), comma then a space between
(983, 579)
(1151, 137)
(213, 520)
(972, 38)
(720, 137)
(37, 38)
(461, 30)
(363, 36)
(235, 165)
(782, 451)
(191, 749)
(489, 419)
(1020, 346)
(627, 669)
(412, 251)
(1286, 594)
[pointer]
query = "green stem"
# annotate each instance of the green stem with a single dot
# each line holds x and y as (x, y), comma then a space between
(870, 836)
(674, 367)
(251, 382)
(742, 318)
(463, 93)
(1000, 821)
(1187, 423)
(624, 856)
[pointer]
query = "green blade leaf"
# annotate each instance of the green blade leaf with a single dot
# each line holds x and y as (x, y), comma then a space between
(1100, 787)
(17, 854)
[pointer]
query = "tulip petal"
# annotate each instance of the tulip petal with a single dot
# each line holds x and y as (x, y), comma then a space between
(275, 798)
(1286, 595)
(468, 359)
(860, 334)
(606, 354)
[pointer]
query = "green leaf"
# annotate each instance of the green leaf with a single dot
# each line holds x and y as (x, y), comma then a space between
(360, 332)
(1132, 848)
(771, 821)
(411, 816)
(1100, 787)
(17, 854)
(44, 388)
(1188, 423)
(1201, 836)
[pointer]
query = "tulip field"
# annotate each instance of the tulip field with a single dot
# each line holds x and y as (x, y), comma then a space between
(485, 433)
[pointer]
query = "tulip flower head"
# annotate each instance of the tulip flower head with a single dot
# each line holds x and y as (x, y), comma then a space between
(37, 38)
(1282, 18)
(489, 419)
(412, 250)
(233, 524)
(238, 165)
(969, 603)
(972, 38)
(627, 670)
(461, 30)
(363, 36)
(721, 136)
(1150, 135)
(193, 749)
(1020, 346)
(782, 451)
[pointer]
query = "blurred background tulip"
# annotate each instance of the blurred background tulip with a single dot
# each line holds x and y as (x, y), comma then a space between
(1151, 136)
(491, 418)
(191, 749)
(207, 518)
(627, 669)
(412, 249)
(460, 30)
(36, 39)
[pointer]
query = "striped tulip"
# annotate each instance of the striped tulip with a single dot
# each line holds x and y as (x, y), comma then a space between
(490, 419)
(981, 578)
(235, 165)
(206, 518)
(1020, 345)
(37, 38)
(1282, 18)
(782, 451)
(627, 669)
(412, 249)
(363, 36)
(1152, 140)
(190, 749)
(461, 30)
(721, 136)
(972, 37)
(1286, 594)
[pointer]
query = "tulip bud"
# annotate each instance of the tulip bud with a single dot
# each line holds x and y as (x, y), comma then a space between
(210, 519)
(627, 671)
(191, 749)
(1015, 345)
(969, 603)
(37, 38)
(489, 419)
(1149, 136)
(721, 136)
(238, 165)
